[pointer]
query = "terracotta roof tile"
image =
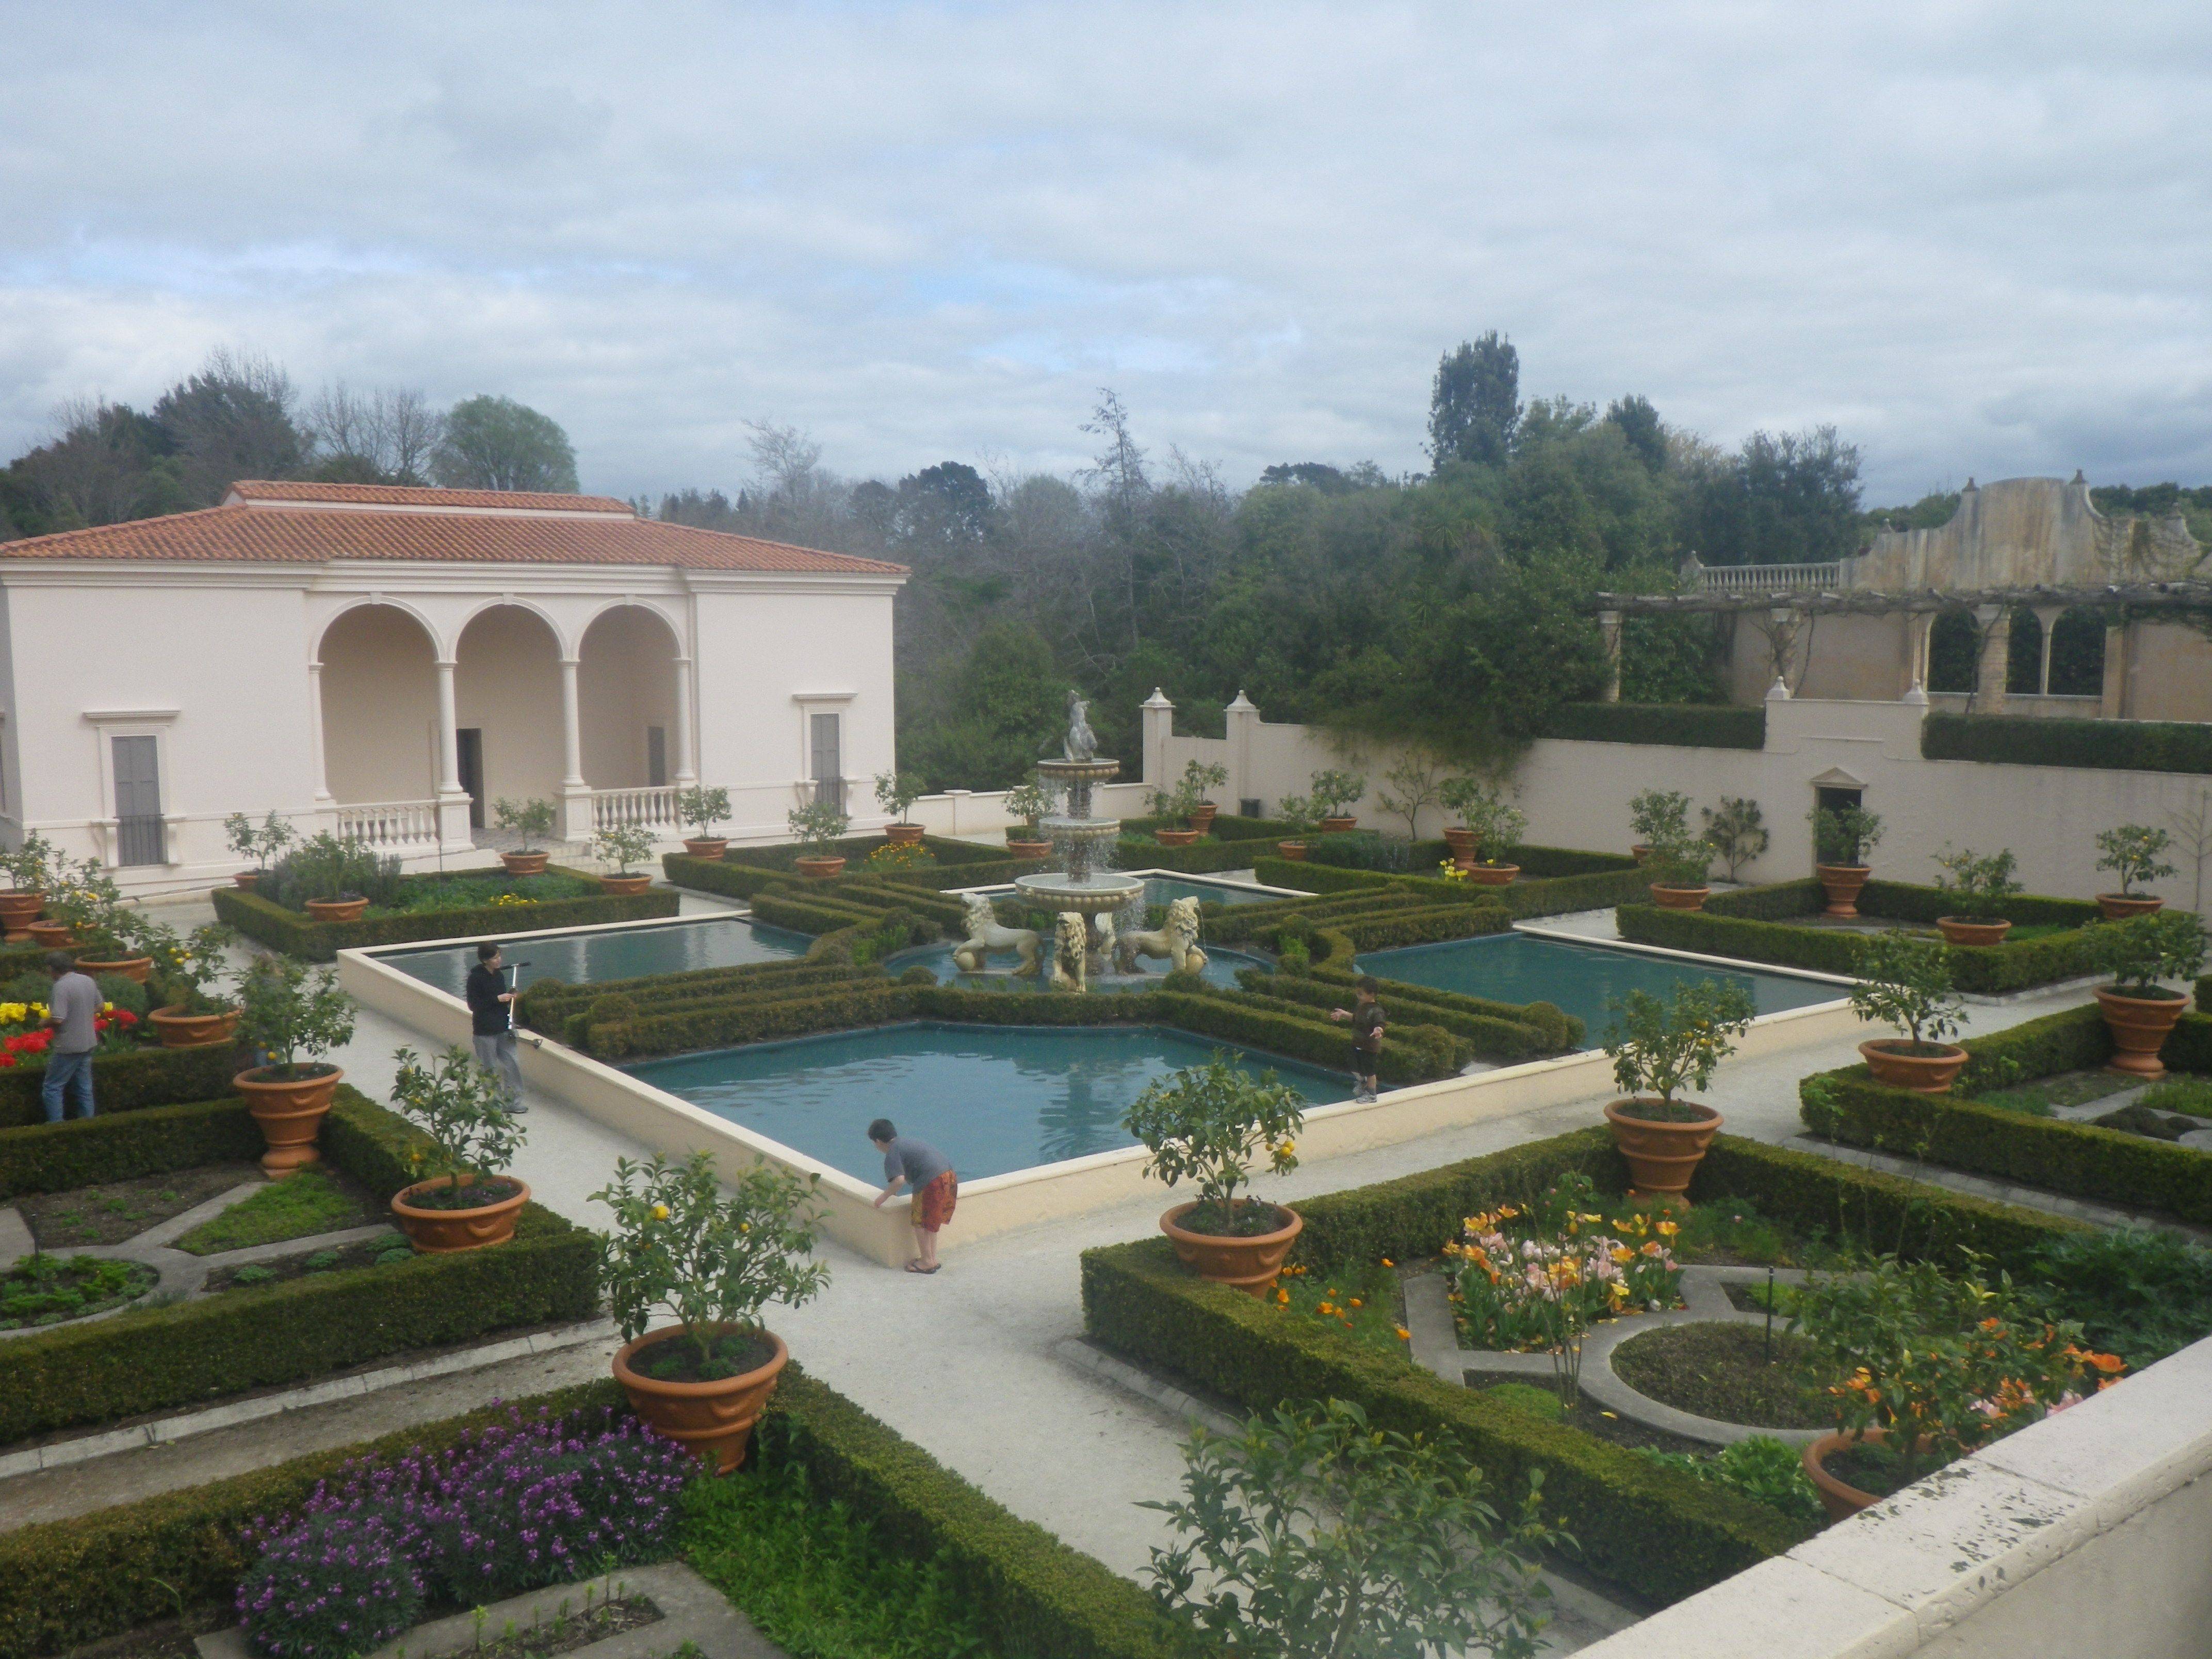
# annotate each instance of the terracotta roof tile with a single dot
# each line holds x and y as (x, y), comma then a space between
(262, 489)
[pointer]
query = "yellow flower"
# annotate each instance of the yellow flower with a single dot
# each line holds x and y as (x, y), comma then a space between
(660, 1213)
(1283, 1298)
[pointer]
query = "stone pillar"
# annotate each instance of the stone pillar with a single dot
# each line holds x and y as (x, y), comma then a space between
(453, 804)
(2046, 616)
(1994, 622)
(1241, 719)
(687, 731)
(323, 797)
(575, 793)
(2114, 705)
(1159, 727)
(1609, 623)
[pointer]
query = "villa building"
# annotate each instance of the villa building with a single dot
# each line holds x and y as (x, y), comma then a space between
(389, 663)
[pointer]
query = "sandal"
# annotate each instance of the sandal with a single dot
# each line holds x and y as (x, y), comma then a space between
(916, 1267)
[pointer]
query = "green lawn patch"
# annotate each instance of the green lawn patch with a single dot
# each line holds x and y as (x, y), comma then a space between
(316, 1199)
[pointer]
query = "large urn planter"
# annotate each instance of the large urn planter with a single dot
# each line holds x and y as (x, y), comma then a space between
(246, 878)
(2118, 907)
(178, 1030)
(1491, 875)
(902, 835)
(1662, 1156)
(2140, 1027)
(624, 886)
(1175, 837)
(1200, 818)
(435, 1229)
(17, 912)
(1028, 849)
(1640, 851)
(1293, 850)
(1843, 883)
(1461, 843)
(714, 1418)
(1958, 930)
(820, 869)
(1251, 1263)
(343, 909)
(1679, 898)
(707, 846)
(1842, 1501)
(524, 863)
(1892, 1061)
(1341, 824)
(51, 935)
(290, 1111)
(135, 969)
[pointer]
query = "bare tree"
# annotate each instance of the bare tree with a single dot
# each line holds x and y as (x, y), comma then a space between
(2192, 829)
(407, 430)
(343, 422)
(389, 432)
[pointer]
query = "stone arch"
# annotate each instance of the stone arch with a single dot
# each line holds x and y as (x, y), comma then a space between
(507, 688)
(1954, 650)
(2024, 654)
(421, 618)
(628, 682)
(562, 645)
(379, 697)
(2077, 654)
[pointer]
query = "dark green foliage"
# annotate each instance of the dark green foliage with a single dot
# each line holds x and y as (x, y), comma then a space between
(48, 1157)
(295, 935)
(1674, 661)
(1475, 404)
(1789, 499)
(1688, 725)
(546, 1002)
(128, 1081)
(1499, 1032)
(1546, 895)
(2021, 740)
(1365, 850)
(496, 443)
(612, 1030)
(2139, 1294)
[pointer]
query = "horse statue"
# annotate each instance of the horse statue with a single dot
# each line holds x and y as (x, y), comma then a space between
(1071, 957)
(1082, 741)
(1100, 942)
(985, 933)
(1177, 940)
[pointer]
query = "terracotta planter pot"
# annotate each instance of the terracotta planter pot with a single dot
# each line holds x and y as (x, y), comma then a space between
(1842, 1502)
(1679, 898)
(439, 1232)
(715, 1418)
(2118, 907)
(246, 878)
(337, 910)
(524, 863)
(1924, 1074)
(902, 835)
(2140, 1027)
(1843, 883)
(820, 869)
(131, 968)
(290, 1114)
(1175, 837)
(1491, 875)
(1957, 930)
(624, 886)
(1293, 850)
(1461, 842)
(17, 912)
(1338, 826)
(1200, 818)
(707, 846)
(1251, 1265)
(52, 935)
(1661, 1157)
(1028, 849)
(182, 1031)
(1639, 852)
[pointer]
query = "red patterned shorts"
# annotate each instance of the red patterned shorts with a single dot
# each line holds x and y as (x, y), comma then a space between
(934, 1204)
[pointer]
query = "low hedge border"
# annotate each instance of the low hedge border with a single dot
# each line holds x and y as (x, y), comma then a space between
(2023, 740)
(2078, 1159)
(85, 1151)
(1522, 901)
(130, 1080)
(160, 1358)
(1499, 1031)
(297, 935)
(544, 1002)
(1682, 725)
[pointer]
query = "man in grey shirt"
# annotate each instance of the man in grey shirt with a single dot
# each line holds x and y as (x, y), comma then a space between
(70, 1012)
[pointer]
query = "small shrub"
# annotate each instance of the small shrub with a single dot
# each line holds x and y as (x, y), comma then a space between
(2135, 852)
(1659, 1047)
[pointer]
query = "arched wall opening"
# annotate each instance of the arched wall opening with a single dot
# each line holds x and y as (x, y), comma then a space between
(626, 693)
(507, 690)
(2077, 654)
(379, 690)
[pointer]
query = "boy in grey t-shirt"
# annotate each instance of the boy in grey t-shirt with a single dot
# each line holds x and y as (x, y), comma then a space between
(71, 1011)
(928, 1173)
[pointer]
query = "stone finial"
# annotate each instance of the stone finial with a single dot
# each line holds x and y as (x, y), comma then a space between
(1777, 692)
(1243, 705)
(1158, 700)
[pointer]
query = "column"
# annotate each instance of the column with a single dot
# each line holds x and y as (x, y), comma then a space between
(687, 763)
(1159, 727)
(2047, 616)
(323, 797)
(453, 829)
(1919, 625)
(2114, 706)
(1994, 622)
(1608, 623)
(575, 793)
(1240, 718)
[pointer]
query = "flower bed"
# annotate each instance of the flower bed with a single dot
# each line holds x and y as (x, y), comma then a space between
(1617, 881)
(443, 906)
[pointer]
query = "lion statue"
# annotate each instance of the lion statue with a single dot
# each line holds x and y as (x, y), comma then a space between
(1071, 957)
(987, 933)
(1177, 940)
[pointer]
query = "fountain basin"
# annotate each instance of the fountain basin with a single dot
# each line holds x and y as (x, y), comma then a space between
(1089, 894)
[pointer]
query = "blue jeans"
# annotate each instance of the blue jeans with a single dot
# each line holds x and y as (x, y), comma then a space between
(69, 1071)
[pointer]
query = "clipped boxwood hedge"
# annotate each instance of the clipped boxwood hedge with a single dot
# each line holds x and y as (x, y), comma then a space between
(1681, 724)
(299, 935)
(1520, 900)
(2024, 740)
(85, 1151)
(164, 1358)
(130, 1080)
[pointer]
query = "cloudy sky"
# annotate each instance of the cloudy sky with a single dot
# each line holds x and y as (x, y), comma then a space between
(1976, 237)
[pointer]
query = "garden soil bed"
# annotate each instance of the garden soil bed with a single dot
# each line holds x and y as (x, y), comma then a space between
(1720, 1370)
(99, 1285)
(676, 1360)
(117, 1210)
(337, 1260)
(1593, 1419)
(169, 1639)
(319, 1198)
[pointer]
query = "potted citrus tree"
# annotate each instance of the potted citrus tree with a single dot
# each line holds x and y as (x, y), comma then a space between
(1842, 837)
(1490, 827)
(332, 880)
(529, 820)
(292, 1017)
(29, 869)
(1656, 816)
(1677, 861)
(896, 792)
(466, 1200)
(1295, 814)
(2140, 1012)
(818, 826)
(1979, 885)
(1029, 801)
(1176, 803)
(622, 845)
(702, 809)
(188, 970)
(1212, 1123)
(260, 843)
(1335, 793)
(1658, 1049)
(110, 935)
(2135, 852)
(714, 1259)
(1198, 778)
(1905, 981)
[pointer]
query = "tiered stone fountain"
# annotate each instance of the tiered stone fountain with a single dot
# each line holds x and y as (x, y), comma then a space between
(1083, 893)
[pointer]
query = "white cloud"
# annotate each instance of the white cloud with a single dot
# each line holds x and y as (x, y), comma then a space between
(1973, 235)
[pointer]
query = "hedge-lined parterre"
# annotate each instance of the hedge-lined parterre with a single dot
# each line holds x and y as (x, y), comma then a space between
(90, 1152)
(1534, 895)
(129, 1081)
(299, 935)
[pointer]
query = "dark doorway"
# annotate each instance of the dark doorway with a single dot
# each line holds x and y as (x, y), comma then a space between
(1830, 798)
(468, 762)
(656, 755)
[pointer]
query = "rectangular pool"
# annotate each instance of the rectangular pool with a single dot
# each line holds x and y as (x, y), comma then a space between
(992, 1098)
(672, 947)
(1576, 979)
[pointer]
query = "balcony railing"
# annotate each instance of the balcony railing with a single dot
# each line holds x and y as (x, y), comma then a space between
(389, 825)
(652, 809)
(1768, 577)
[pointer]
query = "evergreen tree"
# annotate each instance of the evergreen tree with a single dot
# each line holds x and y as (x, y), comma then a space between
(1476, 402)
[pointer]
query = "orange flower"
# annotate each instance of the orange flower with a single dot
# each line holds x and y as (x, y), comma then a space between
(1283, 1297)
(2107, 1363)
(1404, 1335)
(1387, 1263)
(1357, 1302)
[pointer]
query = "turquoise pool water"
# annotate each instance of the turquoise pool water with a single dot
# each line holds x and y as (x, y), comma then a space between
(1166, 889)
(1578, 978)
(622, 953)
(992, 1098)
